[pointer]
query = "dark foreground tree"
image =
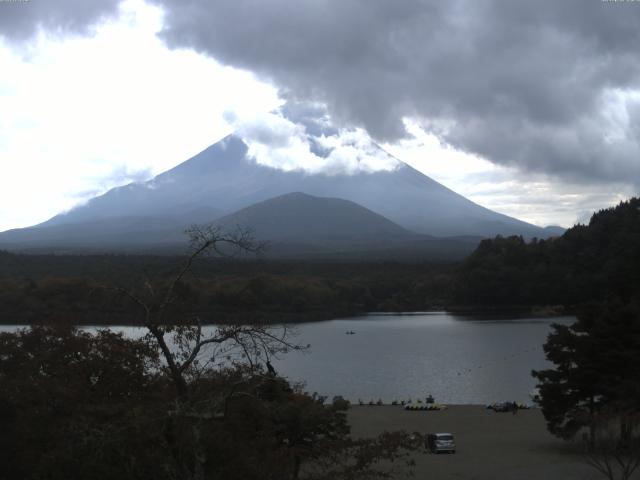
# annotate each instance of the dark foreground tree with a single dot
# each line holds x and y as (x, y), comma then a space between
(190, 352)
(595, 366)
(186, 401)
(75, 405)
(595, 385)
(615, 450)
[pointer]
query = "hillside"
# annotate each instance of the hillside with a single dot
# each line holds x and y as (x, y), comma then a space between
(225, 178)
(37, 288)
(298, 218)
(294, 225)
(587, 263)
(304, 217)
(118, 233)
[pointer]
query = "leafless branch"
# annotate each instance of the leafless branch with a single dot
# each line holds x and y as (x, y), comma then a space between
(615, 450)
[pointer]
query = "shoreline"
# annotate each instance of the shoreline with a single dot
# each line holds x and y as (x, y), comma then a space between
(475, 313)
(489, 445)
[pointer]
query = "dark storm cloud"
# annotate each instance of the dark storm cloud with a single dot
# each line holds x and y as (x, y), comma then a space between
(20, 20)
(519, 82)
(539, 85)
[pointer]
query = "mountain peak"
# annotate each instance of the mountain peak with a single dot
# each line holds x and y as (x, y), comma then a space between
(229, 152)
(223, 179)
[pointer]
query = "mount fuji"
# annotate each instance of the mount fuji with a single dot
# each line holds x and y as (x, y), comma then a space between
(399, 205)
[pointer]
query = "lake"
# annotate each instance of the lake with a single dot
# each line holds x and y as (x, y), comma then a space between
(457, 359)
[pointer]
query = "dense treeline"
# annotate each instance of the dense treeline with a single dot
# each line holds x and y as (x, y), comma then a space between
(180, 402)
(595, 370)
(75, 405)
(591, 395)
(34, 288)
(587, 263)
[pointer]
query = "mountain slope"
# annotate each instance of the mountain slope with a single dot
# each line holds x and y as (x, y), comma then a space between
(295, 225)
(301, 225)
(119, 232)
(588, 263)
(298, 217)
(224, 177)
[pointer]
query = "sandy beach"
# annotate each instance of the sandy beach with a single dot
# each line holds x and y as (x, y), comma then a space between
(490, 445)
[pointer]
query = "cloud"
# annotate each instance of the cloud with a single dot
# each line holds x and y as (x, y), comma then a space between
(537, 198)
(527, 84)
(76, 109)
(302, 137)
(547, 91)
(120, 175)
(21, 20)
(543, 86)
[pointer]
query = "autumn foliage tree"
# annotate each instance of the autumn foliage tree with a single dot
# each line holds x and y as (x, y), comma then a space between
(75, 405)
(185, 401)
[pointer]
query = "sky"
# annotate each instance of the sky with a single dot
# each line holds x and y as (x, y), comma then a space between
(530, 108)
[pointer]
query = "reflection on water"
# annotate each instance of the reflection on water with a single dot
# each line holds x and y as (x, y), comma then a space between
(457, 359)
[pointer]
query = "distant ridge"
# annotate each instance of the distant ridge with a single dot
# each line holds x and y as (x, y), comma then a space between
(587, 264)
(293, 225)
(223, 179)
(299, 217)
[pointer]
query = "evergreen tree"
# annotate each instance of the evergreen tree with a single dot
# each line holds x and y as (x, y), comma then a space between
(595, 369)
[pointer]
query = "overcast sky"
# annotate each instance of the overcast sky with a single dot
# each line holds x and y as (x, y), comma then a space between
(531, 108)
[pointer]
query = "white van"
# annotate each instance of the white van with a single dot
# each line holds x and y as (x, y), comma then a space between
(440, 442)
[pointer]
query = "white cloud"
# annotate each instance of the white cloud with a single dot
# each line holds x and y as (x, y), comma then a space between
(79, 115)
(74, 110)
(278, 142)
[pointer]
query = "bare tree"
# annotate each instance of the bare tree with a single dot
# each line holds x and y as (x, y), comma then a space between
(188, 349)
(223, 373)
(614, 448)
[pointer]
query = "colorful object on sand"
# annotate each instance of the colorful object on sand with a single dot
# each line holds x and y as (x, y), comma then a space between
(419, 406)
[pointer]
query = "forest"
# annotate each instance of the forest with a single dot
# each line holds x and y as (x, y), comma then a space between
(36, 287)
(79, 405)
(177, 403)
(588, 263)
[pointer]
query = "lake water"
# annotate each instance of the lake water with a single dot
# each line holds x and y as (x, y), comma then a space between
(392, 357)
(457, 359)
